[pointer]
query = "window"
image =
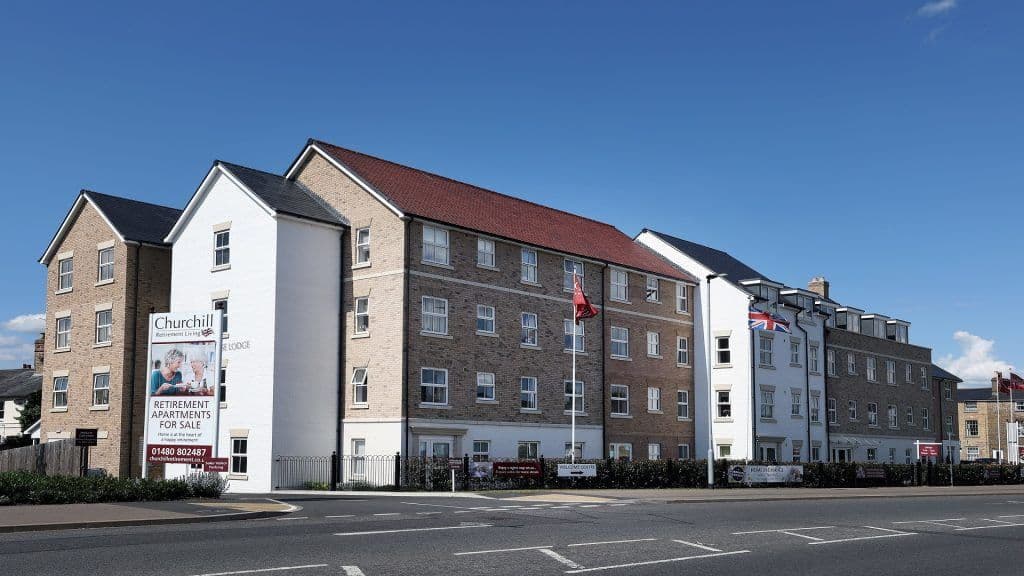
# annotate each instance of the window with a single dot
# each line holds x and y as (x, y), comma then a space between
(872, 454)
(973, 452)
(654, 451)
(570, 268)
(2, 412)
(925, 422)
(435, 315)
(910, 416)
(724, 450)
(581, 340)
(481, 450)
(574, 397)
(949, 425)
(816, 453)
(105, 265)
(794, 352)
(851, 364)
(363, 246)
(872, 414)
(528, 334)
(485, 319)
(222, 305)
(947, 391)
(1018, 407)
(924, 377)
(892, 455)
(832, 412)
(104, 320)
(100, 389)
(907, 455)
(890, 371)
(222, 248)
(362, 315)
(797, 451)
(360, 392)
(528, 450)
(358, 457)
(65, 274)
(894, 416)
(796, 396)
(724, 404)
(485, 252)
(765, 350)
(435, 245)
(682, 404)
(620, 285)
(682, 299)
(970, 406)
(484, 387)
(682, 350)
(815, 408)
(239, 455)
(528, 267)
(64, 333)
(910, 373)
(813, 359)
(568, 450)
(831, 359)
(434, 386)
(722, 349)
(620, 400)
(852, 409)
(872, 373)
(654, 399)
(60, 392)
(684, 451)
(620, 451)
(652, 291)
(654, 344)
(767, 402)
(620, 342)
(223, 384)
(528, 393)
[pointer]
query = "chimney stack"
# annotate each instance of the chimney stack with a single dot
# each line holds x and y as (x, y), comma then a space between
(819, 286)
(40, 352)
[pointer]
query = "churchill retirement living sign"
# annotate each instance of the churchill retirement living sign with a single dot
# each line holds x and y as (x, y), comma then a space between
(182, 387)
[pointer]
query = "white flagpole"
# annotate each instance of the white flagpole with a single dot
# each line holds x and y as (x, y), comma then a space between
(572, 446)
(999, 416)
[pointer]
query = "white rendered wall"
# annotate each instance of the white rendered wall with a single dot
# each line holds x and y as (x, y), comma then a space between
(9, 425)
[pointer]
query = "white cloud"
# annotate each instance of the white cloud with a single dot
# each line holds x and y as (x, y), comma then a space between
(933, 34)
(14, 352)
(26, 323)
(976, 363)
(936, 8)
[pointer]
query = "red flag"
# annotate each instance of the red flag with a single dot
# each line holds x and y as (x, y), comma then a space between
(1014, 382)
(584, 309)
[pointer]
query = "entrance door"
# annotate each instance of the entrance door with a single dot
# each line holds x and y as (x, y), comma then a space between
(768, 452)
(435, 448)
(842, 455)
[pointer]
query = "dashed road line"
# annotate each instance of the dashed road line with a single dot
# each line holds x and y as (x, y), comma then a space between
(782, 530)
(551, 553)
(611, 542)
(371, 532)
(389, 514)
(989, 526)
(476, 552)
(293, 518)
(651, 562)
(346, 516)
(278, 569)
(698, 545)
(894, 534)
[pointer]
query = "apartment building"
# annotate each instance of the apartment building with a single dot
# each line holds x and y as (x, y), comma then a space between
(458, 329)
(767, 386)
(881, 395)
(984, 417)
(107, 269)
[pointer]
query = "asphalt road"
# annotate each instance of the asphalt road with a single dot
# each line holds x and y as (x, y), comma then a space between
(428, 536)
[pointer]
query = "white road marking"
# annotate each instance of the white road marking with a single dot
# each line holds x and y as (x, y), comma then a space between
(1010, 516)
(894, 534)
(650, 562)
(293, 518)
(1000, 521)
(782, 530)
(345, 516)
(291, 507)
(414, 530)
(887, 530)
(939, 522)
(990, 526)
(352, 571)
(530, 508)
(560, 507)
(463, 511)
(590, 506)
(696, 545)
(434, 505)
(429, 513)
(618, 504)
(280, 569)
(559, 557)
(799, 535)
(389, 514)
(500, 550)
(611, 542)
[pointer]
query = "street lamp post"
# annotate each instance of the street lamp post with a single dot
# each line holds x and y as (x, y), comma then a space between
(711, 411)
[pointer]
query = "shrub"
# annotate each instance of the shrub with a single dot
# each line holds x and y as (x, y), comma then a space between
(29, 488)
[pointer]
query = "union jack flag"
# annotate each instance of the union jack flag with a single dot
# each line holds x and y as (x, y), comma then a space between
(767, 321)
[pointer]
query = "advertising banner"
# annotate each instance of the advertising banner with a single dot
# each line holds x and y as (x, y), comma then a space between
(182, 387)
(521, 469)
(928, 450)
(577, 470)
(766, 474)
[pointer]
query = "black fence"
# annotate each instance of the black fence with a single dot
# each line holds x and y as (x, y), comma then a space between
(393, 472)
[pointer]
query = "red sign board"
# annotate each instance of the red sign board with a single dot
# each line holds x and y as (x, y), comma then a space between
(927, 450)
(216, 465)
(521, 469)
(171, 454)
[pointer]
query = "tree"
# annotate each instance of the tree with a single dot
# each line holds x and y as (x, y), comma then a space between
(31, 411)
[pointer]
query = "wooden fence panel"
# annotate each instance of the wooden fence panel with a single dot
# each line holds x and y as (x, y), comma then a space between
(61, 458)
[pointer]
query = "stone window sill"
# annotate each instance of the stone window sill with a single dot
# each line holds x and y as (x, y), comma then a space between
(529, 411)
(221, 268)
(435, 406)
(722, 420)
(622, 416)
(529, 346)
(717, 366)
(62, 350)
(792, 365)
(684, 419)
(578, 414)
(359, 335)
(436, 335)
(678, 365)
(237, 476)
(360, 406)
(102, 345)
(488, 334)
(362, 265)
(486, 267)
(529, 283)
(649, 411)
(64, 290)
(623, 358)
(797, 416)
(655, 356)
(223, 405)
(766, 366)
(104, 282)
(485, 401)
(103, 408)
(437, 265)
(578, 353)
(64, 409)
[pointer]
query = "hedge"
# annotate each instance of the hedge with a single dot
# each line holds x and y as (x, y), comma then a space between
(30, 488)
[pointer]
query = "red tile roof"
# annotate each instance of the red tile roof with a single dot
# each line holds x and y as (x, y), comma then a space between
(448, 201)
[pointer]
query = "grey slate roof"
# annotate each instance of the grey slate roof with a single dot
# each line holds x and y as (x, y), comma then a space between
(283, 195)
(17, 384)
(718, 261)
(978, 395)
(136, 221)
(938, 372)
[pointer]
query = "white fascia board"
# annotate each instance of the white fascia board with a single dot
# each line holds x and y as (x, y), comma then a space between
(76, 209)
(310, 221)
(200, 194)
(311, 148)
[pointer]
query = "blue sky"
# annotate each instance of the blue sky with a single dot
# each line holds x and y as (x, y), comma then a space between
(876, 143)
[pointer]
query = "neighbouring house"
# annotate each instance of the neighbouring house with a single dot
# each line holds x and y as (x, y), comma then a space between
(16, 386)
(984, 415)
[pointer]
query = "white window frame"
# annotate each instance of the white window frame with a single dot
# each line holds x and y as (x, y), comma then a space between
(890, 372)
(969, 432)
(765, 349)
(619, 290)
(528, 269)
(909, 416)
(530, 324)
(833, 411)
(653, 451)
(794, 352)
(239, 455)
(871, 368)
(851, 409)
(682, 404)
(359, 384)
(104, 332)
(622, 398)
(485, 314)
(683, 451)
(682, 298)
(101, 384)
(531, 452)
(567, 335)
(221, 249)
(719, 351)
(654, 399)
(893, 413)
(359, 457)
(104, 270)
(620, 451)
(60, 391)
(970, 406)
(767, 403)
(682, 351)
(851, 364)
(872, 414)
(926, 422)
(485, 253)
(436, 243)
(620, 337)
(652, 289)
(569, 267)
(654, 344)
(363, 316)
(924, 378)
(528, 393)
(909, 373)
(581, 395)
(485, 385)
(68, 274)
(815, 414)
(434, 387)
(481, 451)
(63, 337)
(830, 356)
(796, 403)
(720, 405)
(432, 322)
(813, 360)
(363, 246)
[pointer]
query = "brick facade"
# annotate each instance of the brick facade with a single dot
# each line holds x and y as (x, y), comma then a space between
(991, 422)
